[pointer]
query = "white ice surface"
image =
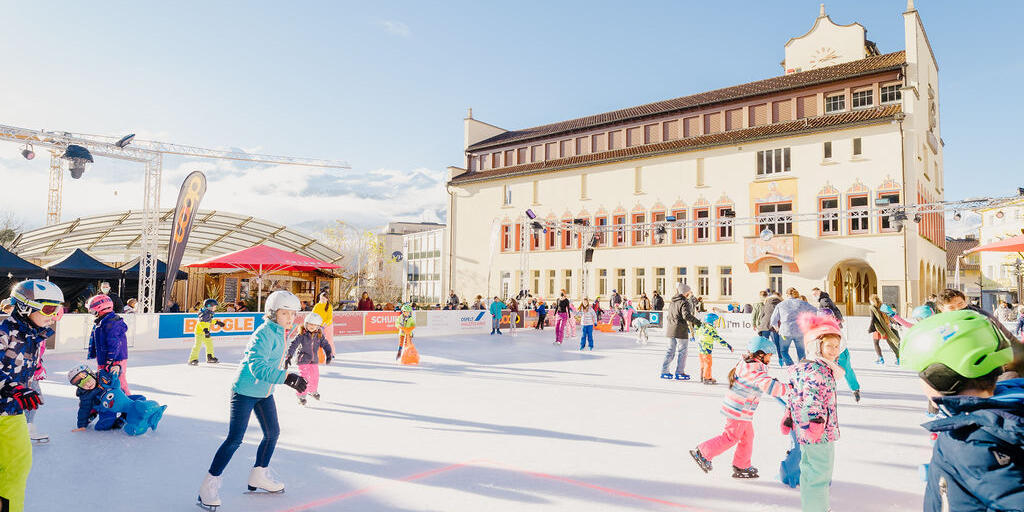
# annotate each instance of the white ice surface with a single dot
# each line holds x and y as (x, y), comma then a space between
(485, 423)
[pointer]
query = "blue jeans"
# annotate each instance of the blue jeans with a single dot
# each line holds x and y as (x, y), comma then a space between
(496, 324)
(784, 349)
(241, 408)
(680, 355)
(588, 336)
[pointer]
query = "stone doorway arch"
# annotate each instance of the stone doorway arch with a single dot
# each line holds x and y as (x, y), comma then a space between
(850, 283)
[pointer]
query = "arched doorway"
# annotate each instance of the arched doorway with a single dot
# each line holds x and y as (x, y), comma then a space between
(850, 283)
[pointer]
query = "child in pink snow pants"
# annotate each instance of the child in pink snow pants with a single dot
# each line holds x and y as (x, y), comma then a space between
(562, 315)
(747, 381)
(307, 343)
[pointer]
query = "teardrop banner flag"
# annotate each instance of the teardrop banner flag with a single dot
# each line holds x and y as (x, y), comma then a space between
(192, 191)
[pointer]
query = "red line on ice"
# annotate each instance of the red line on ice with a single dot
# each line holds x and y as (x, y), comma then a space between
(432, 472)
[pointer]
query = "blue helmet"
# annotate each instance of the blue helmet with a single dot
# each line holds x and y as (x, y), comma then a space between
(887, 309)
(710, 318)
(922, 312)
(760, 343)
(210, 303)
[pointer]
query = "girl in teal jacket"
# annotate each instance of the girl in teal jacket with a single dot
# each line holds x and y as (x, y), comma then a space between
(253, 391)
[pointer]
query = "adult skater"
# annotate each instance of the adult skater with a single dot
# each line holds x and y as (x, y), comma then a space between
(784, 319)
(678, 318)
(562, 317)
(253, 391)
(37, 306)
(881, 329)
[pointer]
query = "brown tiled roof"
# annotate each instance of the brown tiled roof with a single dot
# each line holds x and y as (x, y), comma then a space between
(955, 247)
(871, 115)
(889, 61)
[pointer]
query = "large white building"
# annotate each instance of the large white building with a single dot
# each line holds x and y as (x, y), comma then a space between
(843, 126)
(423, 280)
(999, 268)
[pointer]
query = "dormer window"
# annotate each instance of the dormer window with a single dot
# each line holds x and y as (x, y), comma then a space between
(862, 99)
(835, 103)
(890, 93)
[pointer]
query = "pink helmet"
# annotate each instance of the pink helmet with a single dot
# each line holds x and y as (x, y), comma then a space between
(100, 305)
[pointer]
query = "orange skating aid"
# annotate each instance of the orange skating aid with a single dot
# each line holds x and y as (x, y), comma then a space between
(410, 355)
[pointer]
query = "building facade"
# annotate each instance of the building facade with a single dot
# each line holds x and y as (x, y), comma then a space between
(842, 128)
(424, 259)
(969, 280)
(999, 268)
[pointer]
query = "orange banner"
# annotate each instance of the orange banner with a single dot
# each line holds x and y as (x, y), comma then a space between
(380, 322)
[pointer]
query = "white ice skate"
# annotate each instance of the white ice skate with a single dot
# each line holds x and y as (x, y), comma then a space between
(262, 478)
(209, 493)
(36, 436)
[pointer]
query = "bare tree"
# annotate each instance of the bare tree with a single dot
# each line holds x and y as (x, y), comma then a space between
(11, 226)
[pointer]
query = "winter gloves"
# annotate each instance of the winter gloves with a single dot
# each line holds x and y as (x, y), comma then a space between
(27, 398)
(218, 323)
(787, 424)
(206, 332)
(296, 382)
(329, 359)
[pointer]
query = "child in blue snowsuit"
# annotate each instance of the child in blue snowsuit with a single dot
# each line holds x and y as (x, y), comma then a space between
(90, 395)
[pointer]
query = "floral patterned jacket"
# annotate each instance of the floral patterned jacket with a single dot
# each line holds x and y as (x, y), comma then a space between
(812, 394)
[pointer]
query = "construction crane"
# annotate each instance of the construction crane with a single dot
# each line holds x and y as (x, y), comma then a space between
(77, 149)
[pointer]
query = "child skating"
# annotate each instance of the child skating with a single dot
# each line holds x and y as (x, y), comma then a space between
(811, 408)
(108, 341)
(588, 319)
(406, 323)
(640, 325)
(747, 382)
(706, 337)
(307, 343)
(202, 333)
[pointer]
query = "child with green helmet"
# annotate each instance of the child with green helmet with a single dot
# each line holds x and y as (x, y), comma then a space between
(978, 459)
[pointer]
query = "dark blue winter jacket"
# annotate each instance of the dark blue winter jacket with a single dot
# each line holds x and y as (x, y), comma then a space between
(89, 405)
(108, 341)
(19, 356)
(978, 460)
(542, 309)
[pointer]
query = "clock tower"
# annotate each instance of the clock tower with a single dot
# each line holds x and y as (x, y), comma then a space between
(827, 44)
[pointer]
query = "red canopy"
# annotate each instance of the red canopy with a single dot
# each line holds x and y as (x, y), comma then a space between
(262, 259)
(1013, 244)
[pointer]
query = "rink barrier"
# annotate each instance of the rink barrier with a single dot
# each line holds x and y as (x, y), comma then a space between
(174, 330)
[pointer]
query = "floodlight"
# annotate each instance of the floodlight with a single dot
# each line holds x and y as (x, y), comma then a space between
(670, 218)
(530, 214)
(27, 152)
(1000, 214)
(766, 234)
(77, 156)
(957, 216)
(917, 218)
(124, 141)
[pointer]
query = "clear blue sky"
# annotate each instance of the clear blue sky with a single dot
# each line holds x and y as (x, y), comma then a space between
(385, 85)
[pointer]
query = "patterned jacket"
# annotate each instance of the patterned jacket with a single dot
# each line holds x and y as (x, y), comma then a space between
(205, 315)
(20, 343)
(706, 336)
(744, 395)
(812, 395)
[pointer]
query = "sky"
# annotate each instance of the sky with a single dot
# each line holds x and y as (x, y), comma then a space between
(385, 86)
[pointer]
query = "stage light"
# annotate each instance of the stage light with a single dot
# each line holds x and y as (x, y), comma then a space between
(882, 201)
(957, 216)
(1000, 214)
(1020, 191)
(530, 214)
(670, 218)
(579, 222)
(766, 234)
(917, 218)
(124, 141)
(28, 153)
(77, 156)
(536, 226)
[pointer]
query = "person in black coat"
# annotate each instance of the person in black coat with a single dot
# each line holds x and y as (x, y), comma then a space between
(115, 298)
(658, 301)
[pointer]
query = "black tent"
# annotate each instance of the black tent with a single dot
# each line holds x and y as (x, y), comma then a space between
(78, 274)
(131, 271)
(14, 269)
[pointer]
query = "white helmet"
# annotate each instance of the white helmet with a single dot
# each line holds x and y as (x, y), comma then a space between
(282, 299)
(314, 319)
(33, 294)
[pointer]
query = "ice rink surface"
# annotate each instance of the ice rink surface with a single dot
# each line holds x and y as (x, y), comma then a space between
(485, 423)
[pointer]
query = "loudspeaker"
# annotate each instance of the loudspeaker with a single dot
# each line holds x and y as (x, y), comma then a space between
(588, 255)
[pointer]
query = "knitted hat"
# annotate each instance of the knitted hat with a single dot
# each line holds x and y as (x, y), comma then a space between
(682, 288)
(816, 325)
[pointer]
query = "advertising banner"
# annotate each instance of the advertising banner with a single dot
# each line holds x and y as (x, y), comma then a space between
(506, 319)
(348, 323)
(380, 322)
(182, 325)
(735, 324)
(654, 316)
(192, 191)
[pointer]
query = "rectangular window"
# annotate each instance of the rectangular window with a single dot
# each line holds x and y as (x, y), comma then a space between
(700, 172)
(659, 280)
(551, 239)
(777, 225)
(536, 153)
(725, 213)
(862, 99)
(567, 234)
(827, 151)
(620, 230)
(726, 281)
(506, 237)
(835, 103)
(857, 146)
(639, 234)
(679, 232)
(506, 195)
(775, 278)
(640, 278)
(885, 224)
(829, 207)
(565, 148)
(483, 162)
(701, 233)
(891, 93)
(509, 158)
(536, 282)
(703, 281)
(583, 186)
(597, 143)
(858, 214)
(551, 283)
(602, 281)
(620, 280)
(659, 231)
(568, 282)
(495, 160)
(602, 235)
(550, 151)
(680, 277)
(581, 145)
(615, 140)
(772, 161)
